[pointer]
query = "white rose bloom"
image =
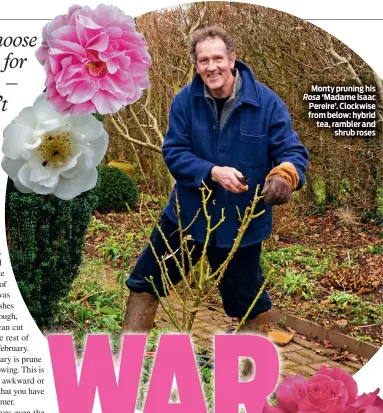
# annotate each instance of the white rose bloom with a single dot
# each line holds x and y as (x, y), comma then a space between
(49, 153)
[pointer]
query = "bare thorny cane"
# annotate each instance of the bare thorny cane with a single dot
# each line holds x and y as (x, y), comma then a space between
(195, 277)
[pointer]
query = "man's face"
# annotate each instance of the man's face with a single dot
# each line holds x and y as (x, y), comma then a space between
(214, 66)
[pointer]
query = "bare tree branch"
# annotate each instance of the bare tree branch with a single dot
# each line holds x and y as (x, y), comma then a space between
(342, 60)
(126, 135)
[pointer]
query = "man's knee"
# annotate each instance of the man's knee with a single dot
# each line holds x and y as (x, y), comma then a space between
(148, 274)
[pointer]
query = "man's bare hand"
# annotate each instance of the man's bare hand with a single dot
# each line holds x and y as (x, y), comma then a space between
(228, 178)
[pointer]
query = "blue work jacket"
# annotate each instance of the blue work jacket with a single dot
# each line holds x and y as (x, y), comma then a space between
(256, 136)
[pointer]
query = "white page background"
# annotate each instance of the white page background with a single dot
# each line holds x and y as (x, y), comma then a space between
(363, 36)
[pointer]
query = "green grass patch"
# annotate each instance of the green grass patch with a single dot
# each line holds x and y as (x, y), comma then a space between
(296, 269)
(314, 261)
(94, 304)
(362, 312)
(96, 226)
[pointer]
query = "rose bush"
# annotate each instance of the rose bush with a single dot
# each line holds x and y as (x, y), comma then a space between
(95, 60)
(49, 153)
(327, 391)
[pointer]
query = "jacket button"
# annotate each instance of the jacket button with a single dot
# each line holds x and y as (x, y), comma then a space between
(213, 201)
(213, 127)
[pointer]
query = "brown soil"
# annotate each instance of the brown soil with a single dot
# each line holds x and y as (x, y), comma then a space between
(355, 268)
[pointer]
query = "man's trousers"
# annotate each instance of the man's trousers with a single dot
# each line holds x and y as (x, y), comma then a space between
(239, 286)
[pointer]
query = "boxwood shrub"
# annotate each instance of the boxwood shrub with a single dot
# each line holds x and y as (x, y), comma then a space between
(45, 238)
(114, 190)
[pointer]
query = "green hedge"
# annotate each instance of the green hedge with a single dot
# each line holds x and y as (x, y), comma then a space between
(114, 190)
(45, 238)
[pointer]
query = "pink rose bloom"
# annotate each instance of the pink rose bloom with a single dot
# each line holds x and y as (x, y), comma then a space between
(327, 391)
(95, 60)
(364, 404)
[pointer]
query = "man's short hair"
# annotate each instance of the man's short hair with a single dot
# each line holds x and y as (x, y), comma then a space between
(213, 32)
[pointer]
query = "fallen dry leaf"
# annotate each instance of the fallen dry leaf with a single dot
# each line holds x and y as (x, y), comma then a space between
(352, 357)
(327, 344)
(279, 337)
(341, 323)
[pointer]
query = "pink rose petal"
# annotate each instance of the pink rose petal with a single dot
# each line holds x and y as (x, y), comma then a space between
(327, 391)
(105, 102)
(94, 60)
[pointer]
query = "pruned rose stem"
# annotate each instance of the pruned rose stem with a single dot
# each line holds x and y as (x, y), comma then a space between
(198, 274)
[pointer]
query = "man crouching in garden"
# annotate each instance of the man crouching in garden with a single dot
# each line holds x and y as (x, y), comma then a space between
(232, 133)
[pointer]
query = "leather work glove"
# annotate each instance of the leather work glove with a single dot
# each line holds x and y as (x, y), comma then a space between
(277, 190)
